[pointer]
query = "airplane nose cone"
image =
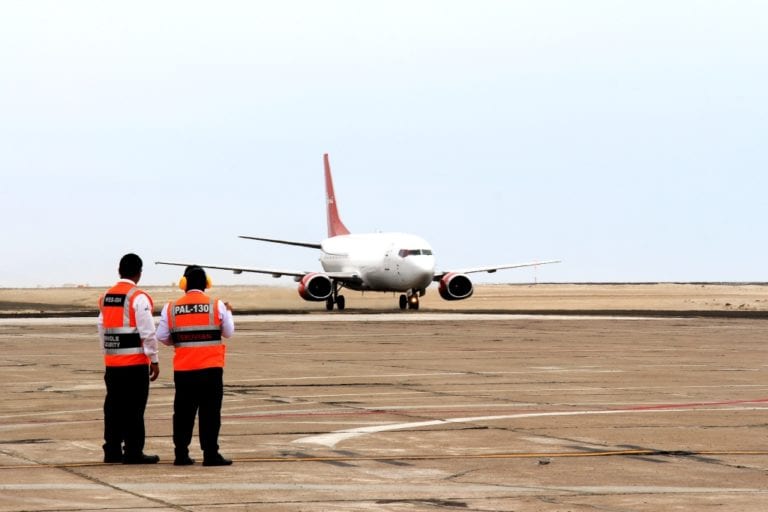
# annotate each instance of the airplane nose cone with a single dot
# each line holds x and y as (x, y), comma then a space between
(422, 270)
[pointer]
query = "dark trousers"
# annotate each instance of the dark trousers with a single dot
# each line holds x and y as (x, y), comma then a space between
(127, 393)
(203, 391)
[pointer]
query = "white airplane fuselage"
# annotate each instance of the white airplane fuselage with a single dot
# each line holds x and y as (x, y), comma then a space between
(382, 262)
(395, 262)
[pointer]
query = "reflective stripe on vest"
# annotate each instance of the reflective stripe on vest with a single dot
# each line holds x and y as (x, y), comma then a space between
(122, 342)
(195, 328)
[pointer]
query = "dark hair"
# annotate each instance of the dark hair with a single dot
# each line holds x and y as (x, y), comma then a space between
(196, 278)
(130, 265)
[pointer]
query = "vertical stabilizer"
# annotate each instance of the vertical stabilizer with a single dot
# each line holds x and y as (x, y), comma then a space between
(335, 226)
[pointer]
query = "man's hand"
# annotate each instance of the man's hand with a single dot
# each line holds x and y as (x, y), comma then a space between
(154, 371)
(228, 306)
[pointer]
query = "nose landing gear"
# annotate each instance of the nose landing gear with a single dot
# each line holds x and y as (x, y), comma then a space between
(410, 300)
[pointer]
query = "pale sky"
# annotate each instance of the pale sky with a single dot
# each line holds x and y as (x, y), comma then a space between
(627, 138)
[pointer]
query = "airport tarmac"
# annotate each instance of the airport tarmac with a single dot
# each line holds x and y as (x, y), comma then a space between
(411, 411)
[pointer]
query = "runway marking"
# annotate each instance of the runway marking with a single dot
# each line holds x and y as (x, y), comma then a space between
(421, 317)
(333, 438)
(434, 374)
(362, 376)
(156, 403)
(427, 457)
(336, 395)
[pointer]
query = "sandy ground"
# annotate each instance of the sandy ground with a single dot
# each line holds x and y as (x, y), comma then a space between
(540, 297)
(414, 411)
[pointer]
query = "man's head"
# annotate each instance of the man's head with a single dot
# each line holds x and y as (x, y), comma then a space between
(195, 278)
(130, 267)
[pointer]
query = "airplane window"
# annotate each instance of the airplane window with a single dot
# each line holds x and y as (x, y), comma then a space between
(427, 252)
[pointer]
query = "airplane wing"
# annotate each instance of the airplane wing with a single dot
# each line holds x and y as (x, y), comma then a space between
(344, 277)
(492, 269)
(311, 245)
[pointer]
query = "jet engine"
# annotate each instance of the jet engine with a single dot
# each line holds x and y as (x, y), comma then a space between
(455, 287)
(315, 287)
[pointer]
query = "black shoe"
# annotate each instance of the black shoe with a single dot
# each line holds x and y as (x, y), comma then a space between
(183, 461)
(216, 460)
(113, 458)
(141, 459)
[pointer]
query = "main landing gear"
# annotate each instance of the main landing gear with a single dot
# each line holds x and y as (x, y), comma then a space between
(335, 299)
(410, 299)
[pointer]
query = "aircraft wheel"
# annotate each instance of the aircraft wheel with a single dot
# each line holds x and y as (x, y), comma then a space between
(403, 301)
(340, 302)
(329, 304)
(413, 304)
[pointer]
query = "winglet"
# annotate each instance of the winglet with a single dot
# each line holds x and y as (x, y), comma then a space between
(335, 226)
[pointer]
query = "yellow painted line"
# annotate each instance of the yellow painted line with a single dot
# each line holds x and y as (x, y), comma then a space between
(522, 455)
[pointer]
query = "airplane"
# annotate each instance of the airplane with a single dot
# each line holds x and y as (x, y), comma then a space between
(381, 262)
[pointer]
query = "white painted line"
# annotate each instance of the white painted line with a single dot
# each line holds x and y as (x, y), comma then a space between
(362, 376)
(333, 438)
(429, 317)
(432, 374)
(155, 404)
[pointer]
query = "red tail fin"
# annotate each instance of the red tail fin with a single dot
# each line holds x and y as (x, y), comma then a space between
(335, 226)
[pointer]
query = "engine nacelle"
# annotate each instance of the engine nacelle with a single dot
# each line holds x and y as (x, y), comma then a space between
(315, 287)
(455, 287)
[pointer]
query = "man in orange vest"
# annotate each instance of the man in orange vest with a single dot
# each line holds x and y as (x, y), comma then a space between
(127, 337)
(195, 325)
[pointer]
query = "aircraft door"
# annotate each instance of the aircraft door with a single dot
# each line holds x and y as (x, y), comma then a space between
(392, 262)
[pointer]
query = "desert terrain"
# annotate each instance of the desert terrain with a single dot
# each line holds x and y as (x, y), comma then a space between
(751, 299)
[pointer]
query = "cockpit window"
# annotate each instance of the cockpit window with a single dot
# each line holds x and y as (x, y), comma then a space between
(403, 253)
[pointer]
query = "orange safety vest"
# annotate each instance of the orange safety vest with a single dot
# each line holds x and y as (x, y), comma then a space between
(195, 327)
(122, 342)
